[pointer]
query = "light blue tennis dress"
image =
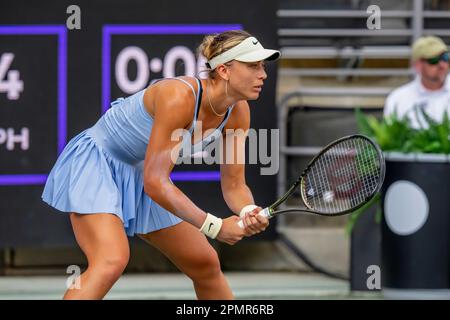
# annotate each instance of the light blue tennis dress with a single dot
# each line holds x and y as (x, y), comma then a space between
(101, 169)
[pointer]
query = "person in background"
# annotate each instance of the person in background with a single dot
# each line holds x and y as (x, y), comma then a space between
(430, 90)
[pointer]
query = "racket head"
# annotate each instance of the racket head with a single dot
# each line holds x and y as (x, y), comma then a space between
(343, 177)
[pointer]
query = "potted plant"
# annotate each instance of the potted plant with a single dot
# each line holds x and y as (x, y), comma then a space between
(414, 248)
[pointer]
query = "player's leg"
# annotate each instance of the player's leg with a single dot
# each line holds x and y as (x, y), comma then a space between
(103, 240)
(191, 252)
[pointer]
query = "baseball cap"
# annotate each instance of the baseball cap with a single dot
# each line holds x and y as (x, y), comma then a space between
(428, 47)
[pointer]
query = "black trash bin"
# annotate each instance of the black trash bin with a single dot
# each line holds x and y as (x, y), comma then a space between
(416, 227)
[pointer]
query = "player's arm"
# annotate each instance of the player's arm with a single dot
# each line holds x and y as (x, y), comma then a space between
(171, 114)
(236, 193)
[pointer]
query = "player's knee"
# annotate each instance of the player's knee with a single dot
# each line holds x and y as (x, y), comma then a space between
(205, 265)
(112, 265)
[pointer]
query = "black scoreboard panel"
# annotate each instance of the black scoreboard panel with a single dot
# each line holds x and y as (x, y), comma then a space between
(29, 103)
(56, 82)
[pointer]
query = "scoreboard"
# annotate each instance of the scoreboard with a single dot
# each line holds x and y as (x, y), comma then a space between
(29, 141)
(56, 81)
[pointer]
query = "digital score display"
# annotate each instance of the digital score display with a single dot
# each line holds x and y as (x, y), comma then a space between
(33, 82)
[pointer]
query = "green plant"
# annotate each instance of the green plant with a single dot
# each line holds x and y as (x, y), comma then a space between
(396, 134)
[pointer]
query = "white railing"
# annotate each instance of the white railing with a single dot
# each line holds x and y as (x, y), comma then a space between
(413, 30)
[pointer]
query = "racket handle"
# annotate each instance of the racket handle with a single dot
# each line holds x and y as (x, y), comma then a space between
(264, 212)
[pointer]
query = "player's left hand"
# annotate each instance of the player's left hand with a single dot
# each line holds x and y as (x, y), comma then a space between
(254, 223)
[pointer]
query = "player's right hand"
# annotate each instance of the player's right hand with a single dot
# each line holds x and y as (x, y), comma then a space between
(230, 232)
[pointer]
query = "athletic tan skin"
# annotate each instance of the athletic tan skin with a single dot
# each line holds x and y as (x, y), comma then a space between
(171, 103)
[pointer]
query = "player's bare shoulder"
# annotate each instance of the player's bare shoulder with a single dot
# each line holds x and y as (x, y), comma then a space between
(170, 98)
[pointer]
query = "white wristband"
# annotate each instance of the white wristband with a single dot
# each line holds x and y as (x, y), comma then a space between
(211, 226)
(247, 209)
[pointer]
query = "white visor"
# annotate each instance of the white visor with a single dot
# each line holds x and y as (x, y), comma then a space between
(249, 50)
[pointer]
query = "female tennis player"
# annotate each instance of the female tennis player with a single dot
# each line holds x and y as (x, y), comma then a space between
(114, 178)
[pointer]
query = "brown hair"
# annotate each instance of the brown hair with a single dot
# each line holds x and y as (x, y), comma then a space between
(215, 44)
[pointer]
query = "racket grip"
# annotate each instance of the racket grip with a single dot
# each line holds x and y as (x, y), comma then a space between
(264, 212)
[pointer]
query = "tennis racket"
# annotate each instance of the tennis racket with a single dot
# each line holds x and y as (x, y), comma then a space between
(343, 177)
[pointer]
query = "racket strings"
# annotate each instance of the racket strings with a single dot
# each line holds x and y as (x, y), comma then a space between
(342, 177)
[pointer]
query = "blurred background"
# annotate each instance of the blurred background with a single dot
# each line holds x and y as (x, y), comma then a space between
(55, 82)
